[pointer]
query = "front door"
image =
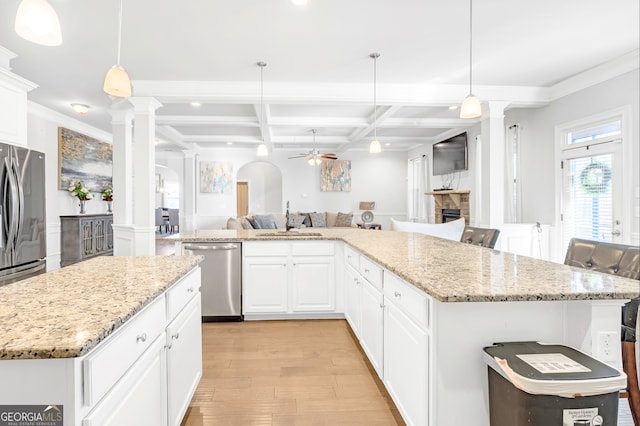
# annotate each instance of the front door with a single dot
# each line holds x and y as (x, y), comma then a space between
(242, 202)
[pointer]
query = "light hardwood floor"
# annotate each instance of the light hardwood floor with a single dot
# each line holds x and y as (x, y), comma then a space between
(287, 373)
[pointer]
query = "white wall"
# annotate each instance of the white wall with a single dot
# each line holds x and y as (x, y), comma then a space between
(265, 186)
(538, 144)
(42, 135)
(380, 178)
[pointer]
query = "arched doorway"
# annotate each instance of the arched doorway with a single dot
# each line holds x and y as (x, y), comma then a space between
(262, 183)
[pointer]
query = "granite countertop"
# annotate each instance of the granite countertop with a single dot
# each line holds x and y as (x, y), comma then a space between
(67, 312)
(451, 271)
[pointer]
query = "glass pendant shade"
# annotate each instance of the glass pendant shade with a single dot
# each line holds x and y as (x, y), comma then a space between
(262, 150)
(37, 22)
(471, 107)
(375, 147)
(117, 82)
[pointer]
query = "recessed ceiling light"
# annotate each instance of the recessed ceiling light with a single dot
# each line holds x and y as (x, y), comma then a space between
(229, 143)
(387, 144)
(80, 109)
(156, 142)
(299, 2)
(195, 104)
(452, 107)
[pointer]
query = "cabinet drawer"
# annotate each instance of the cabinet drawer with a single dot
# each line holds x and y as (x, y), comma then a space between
(113, 357)
(265, 249)
(312, 248)
(352, 257)
(409, 300)
(182, 292)
(371, 272)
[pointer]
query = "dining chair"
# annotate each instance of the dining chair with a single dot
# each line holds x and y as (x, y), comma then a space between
(624, 261)
(485, 237)
(174, 219)
(159, 219)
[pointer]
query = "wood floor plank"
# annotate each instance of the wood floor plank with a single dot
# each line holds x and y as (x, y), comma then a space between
(309, 372)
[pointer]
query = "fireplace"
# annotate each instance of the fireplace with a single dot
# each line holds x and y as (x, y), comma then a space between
(449, 215)
(451, 205)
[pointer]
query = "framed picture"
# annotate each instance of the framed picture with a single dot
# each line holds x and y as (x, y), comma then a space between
(216, 177)
(335, 175)
(83, 158)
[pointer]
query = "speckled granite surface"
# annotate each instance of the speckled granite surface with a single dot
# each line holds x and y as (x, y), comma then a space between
(454, 272)
(65, 313)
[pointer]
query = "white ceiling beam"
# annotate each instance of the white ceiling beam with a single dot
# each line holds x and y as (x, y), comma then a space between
(426, 123)
(223, 138)
(384, 112)
(172, 136)
(315, 122)
(209, 120)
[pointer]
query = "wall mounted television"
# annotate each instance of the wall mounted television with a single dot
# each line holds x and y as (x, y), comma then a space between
(450, 155)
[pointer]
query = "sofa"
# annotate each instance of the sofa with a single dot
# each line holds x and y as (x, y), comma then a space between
(297, 220)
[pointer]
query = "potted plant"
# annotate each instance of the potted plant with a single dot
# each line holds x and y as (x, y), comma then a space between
(82, 193)
(107, 195)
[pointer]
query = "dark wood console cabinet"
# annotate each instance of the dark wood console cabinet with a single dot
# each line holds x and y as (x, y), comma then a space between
(85, 236)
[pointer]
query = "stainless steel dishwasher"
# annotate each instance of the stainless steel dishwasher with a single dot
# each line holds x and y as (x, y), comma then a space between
(221, 279)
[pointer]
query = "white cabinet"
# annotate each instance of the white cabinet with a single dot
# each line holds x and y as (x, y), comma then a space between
(13, 104)
(406, 350)
(364, 305)
(312, 284)
(184, 359)
(284, 279)
(265, 285)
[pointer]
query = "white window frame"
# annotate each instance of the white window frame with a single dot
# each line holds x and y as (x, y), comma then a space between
(624, 115)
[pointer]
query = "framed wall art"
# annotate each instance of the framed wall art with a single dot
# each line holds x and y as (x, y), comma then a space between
(83, 158)
(335, 175)
(216, 177)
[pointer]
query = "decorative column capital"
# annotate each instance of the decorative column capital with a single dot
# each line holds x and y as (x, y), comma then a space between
(144, 104)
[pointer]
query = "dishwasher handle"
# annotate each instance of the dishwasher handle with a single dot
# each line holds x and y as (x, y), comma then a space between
(211, 247)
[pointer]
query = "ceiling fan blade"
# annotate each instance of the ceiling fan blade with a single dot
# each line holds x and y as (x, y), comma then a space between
(329, 156)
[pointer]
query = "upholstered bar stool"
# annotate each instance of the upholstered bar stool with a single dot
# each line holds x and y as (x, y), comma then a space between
(624, 261)
(485, 237)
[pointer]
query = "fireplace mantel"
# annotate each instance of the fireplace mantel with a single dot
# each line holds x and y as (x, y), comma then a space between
(451, 199)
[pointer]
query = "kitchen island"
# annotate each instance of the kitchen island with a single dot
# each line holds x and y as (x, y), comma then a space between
(111, 340)
(423, 308)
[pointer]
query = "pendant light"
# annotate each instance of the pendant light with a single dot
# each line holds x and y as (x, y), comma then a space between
(262, 150)
(37, 22)
(117, 82)
(374, 146)
(471, 107)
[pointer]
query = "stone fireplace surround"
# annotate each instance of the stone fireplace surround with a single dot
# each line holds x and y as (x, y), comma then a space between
(451, 199)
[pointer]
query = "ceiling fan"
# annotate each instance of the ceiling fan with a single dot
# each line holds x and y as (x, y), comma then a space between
(314, 157)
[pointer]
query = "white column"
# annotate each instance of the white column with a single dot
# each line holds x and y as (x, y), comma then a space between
(144, 174)
(188, 192)
(121, 128)
(493, 186)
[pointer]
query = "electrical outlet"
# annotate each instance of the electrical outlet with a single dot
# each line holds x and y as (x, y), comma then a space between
(606, 348)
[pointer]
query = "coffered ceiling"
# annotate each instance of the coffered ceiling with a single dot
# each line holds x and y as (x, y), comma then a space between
(318, 74)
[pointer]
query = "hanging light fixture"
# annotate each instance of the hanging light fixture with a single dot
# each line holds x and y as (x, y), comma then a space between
(37, 22)
(262, 150)
(374, 146)
(117, 82)
(471, 107)
(314, 157)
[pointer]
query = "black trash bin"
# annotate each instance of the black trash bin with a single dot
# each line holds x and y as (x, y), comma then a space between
(537, 384)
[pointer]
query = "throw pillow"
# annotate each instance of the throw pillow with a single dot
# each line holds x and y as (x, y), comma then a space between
(307, 219)
(296, 220)
(344, 220)
(234, 223)
(264, 221)
(331, 219)
(449, 231)
(252, 222)
(318, 220)
(246, 224)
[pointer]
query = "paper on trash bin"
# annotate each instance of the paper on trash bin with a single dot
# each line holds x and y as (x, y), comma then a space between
(563, 388)
(553, 363)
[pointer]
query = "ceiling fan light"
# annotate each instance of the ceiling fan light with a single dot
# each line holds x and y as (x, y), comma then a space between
(375, 147)
(262, 150)
(471, 107)
(38, 22)
(117, 82)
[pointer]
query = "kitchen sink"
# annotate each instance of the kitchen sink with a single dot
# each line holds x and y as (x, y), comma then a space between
(289, 234)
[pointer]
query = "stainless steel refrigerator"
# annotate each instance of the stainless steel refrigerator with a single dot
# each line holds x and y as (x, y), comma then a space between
(23, 244)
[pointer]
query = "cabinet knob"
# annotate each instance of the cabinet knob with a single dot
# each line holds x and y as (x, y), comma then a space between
(190, 290)
(168, 346)
(366, 271)
(397, 294)
(175, 336)
(382, 306)
(141, 338)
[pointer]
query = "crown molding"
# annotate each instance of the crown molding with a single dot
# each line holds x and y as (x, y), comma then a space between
(69, 122)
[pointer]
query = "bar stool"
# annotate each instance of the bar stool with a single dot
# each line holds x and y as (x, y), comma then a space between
(485, 237)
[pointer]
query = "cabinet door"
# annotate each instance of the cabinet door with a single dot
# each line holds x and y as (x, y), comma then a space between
(264, 285)
(86, 238)
(184, 359)
(313, 284)
(352, 302)
(405, 364)
(139, 397)
(371, 326)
